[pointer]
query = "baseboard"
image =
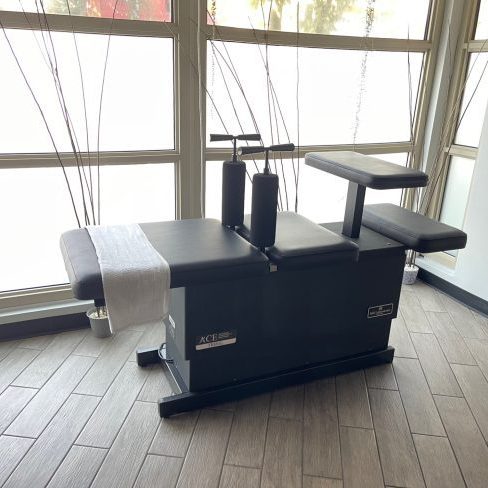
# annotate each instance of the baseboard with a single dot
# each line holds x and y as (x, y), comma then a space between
(43, 326)
(454, 291)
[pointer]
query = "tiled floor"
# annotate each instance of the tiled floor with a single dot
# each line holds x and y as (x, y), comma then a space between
(76, 411)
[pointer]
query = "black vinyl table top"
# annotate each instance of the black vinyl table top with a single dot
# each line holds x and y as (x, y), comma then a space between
(367, 171)
(197, 251)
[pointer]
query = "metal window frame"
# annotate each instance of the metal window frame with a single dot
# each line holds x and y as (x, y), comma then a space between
(190, 155)
(88, 25)
(466, 47)
(428, 47)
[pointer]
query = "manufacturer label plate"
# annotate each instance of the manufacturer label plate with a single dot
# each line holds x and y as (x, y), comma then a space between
(217, 339)
(380, 310)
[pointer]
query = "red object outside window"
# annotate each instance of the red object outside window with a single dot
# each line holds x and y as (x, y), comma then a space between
(130, 9)
(155, 10)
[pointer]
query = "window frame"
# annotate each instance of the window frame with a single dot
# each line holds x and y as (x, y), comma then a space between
(468, 46)
(190, 32)
(428, 47)
(92, 25)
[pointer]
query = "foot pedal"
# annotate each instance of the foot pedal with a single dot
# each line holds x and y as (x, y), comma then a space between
(148, 356)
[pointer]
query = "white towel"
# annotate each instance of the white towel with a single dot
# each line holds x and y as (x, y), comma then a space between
(136, 278)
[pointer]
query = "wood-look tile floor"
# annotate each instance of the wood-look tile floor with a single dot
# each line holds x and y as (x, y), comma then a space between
(76, 411)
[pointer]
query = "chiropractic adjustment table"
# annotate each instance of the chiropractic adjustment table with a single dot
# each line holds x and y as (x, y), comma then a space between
(317, 301)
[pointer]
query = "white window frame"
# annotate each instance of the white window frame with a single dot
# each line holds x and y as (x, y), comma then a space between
(468, 46)
(428, 47)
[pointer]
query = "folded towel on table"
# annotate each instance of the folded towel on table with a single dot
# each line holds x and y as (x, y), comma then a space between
(136, 278)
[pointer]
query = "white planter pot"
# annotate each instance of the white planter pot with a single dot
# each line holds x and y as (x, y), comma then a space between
(410, 274)
(99, 323)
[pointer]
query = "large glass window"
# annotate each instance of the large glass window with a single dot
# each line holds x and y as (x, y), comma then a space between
(316, 97)
(389, 18)
(101, 103)
(36, 210)
(470, 117)
(457, 191)
(337, 99)
(482, 24)
(343, 74)
(476, 94)
(135, 107)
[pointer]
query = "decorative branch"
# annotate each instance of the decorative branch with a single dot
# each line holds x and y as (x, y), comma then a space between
(100, 107)
(53, 62)
(266, 40)
(84, 113)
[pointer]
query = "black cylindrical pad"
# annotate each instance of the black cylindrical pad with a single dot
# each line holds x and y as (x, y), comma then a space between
(264, 209)
(233, 189)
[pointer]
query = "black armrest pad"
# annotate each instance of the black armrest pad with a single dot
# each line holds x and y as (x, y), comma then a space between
(366, 170)
(416, 231)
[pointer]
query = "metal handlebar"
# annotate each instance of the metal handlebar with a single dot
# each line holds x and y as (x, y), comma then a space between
(229, 137)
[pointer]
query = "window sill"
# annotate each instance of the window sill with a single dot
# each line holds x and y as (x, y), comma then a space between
(43, 310)
(35, 296)
(439, 261)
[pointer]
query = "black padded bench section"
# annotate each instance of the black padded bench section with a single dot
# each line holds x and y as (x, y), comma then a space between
(416, 231)
(300, 242)
(366, 170)
(198, 251)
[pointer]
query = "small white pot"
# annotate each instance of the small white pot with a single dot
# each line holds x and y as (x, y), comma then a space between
(410, 274)
(99, 322)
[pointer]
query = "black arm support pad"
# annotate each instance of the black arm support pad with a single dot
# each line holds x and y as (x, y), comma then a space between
(416, 231)
(366, 170)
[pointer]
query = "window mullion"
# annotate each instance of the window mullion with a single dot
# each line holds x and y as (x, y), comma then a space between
(449, 126)
(283, 38)
(426, 82)
(219, 154)
(189, 174)
(107, 158)
(88, 25)
(462, 151)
